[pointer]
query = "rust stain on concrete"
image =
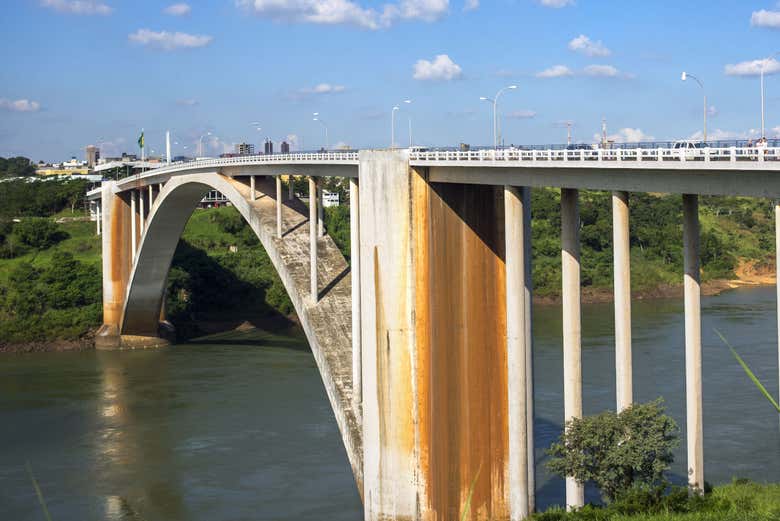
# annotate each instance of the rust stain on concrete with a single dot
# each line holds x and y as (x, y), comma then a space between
(120, 258)
(461, 349)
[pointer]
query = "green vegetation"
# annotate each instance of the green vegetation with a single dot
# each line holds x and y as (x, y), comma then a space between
(732, 230)
(16, 167)
(40, 198)
(741, 500)
(617, 451)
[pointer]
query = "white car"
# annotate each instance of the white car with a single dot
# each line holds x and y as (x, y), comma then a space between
(690, 150)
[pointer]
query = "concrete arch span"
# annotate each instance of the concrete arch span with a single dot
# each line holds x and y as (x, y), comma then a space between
(327, 324)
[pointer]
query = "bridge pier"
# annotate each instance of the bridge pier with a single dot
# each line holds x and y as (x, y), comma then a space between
(777, 283)
(693, 393)
(252, 192)
(436, 415)
(354, 241)
(278, 207)
(314, 292)
(133, 224)
(622, 270)
(141, 213)
(572, 327)
(320, 212)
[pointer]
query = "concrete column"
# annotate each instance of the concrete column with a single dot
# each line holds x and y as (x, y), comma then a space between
(354, 259)
(279, 207)
(320, 213)
(290, 187)
(572, 329)
(516, 352)
(141, 215)
(529, 344)
(133, 232)
(313, 238)
(693, 342)
(159, 188)
(98, 216)
(777, 282)
(151, 197)
(252, 193)
(622, 267)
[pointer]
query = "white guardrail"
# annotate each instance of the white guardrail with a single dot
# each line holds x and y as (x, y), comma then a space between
(731, 154)
(300, 158)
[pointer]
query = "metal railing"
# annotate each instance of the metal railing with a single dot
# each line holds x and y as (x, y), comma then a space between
(612, 155)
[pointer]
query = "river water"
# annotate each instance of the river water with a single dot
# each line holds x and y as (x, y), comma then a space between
(240, 428)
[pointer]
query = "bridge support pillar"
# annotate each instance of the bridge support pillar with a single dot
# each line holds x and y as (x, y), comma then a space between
(279, 207)
(622, 268)
(693, 392)
(252, 192)
(98, 217)
(313, 239)
(517, 351)
(151, 197)
(290, 187)
(141, 213)
(354, 241)
(434, 345)
(777, 281)
(529, 353)
(320, 212)
(117, 217)
(133, 224)
(572, 327)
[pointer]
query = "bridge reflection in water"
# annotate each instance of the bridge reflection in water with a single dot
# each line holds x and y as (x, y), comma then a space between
(436, 320)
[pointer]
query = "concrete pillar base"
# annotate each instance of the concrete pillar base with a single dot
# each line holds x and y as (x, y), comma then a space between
(109, 339)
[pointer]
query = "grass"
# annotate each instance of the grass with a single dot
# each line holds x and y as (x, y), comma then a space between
(740, 500)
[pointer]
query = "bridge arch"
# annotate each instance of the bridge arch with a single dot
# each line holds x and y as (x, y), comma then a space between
(326, 323)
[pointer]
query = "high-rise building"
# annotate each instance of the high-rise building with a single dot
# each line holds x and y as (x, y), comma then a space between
(245, 149)
(93, 154)
(285, 146)
(269, 147)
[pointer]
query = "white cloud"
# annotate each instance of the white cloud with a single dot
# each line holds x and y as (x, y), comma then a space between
(293, 140)
(323, 88)
(588, 47)
(441, 68)
(169, 41)
(87, 7)
(556, 71)
(522, 114)
(605, 71)
(626, 135)
(346, 12)
(470, 5)
(181, 9)
(726, 135)
(189, 102)
(764, 18)
(752, 67)
(557, 4)
(20, 105)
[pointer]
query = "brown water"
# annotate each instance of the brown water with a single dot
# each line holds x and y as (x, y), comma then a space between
(240, 429)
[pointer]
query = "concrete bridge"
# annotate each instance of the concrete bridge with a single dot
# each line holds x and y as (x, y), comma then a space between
(424, 340)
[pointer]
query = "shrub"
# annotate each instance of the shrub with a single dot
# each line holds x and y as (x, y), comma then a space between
(617, 451)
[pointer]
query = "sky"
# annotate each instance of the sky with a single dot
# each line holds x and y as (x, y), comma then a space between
(79, 72)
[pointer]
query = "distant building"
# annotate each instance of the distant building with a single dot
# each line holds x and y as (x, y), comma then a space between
(93, 155)
(245, 149)
(285, 146)
(268, 147)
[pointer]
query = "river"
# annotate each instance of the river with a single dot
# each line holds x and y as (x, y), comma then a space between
(240, 428)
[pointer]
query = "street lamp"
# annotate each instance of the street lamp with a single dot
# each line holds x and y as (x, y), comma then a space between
(763, 64)
(684, 77)
(494, 101)
(409, 116)
(392, 126)
(327, 139)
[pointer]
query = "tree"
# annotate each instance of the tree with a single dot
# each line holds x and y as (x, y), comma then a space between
(617, 451)
(37, 232)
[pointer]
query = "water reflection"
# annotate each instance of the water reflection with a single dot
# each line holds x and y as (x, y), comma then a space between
(135, 394)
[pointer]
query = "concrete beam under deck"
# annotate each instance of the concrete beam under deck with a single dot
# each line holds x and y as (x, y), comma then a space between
(746, 182)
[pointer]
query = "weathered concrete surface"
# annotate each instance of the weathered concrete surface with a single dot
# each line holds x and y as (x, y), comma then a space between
(434, 345)
(116, 244)
(327, 324)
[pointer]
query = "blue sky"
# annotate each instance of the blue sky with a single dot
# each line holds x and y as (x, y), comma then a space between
(97, 71)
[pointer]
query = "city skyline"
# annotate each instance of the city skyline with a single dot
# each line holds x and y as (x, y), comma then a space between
(98, 71)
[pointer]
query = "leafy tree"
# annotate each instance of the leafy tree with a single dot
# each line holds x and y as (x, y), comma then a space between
(617, 451)
(16, 167)
(37, 232)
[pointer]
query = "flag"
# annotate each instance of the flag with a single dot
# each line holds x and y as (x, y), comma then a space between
(141, 140)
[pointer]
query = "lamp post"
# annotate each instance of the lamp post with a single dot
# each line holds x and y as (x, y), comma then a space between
(392, 126)
(684, 77)
(409, 116)
(494, 101)
(327, 139)
(763, 64)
